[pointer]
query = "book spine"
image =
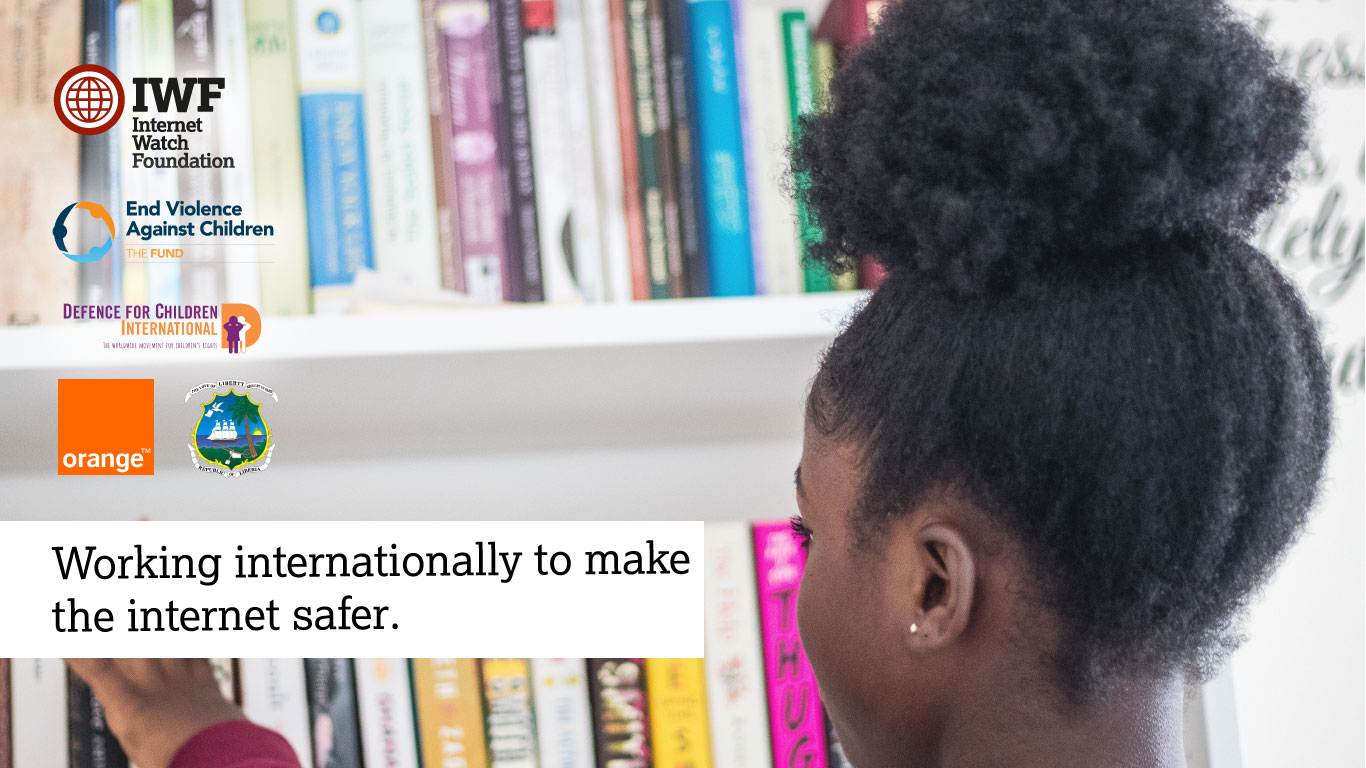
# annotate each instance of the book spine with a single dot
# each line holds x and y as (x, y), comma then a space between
(332, 713)
(548, 110)
(510, 719)
(720, 143)
(610, 181)
(399, 150)
(159, 60)
(801, 101)
(332, 128)
(387, 729)
(237, 184)
(443, 164)
(648, 153)
(39, 729)
(678, 712)
(823, 70)
(522, 281)
(666, 144)
(275, 696)
(737, 19)
(128, 65)
(43, 176)
(90, 743)
(796, 720)
(277, 155)
(735, 665)
(225, 673)
(98, 282)
(682, 96)
(564, 724)
(6, 753)
(588, 245)
(621, 713)
(203, 278)
(464, 33)
(450, 713)
(622, 78)
(765, 84)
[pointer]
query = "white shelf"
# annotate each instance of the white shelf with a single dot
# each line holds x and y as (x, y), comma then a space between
(676, 409)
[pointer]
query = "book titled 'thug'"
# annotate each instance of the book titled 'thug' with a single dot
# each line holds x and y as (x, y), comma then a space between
(796, 721)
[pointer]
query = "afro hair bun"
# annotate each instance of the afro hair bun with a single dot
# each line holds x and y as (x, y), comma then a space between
(982, 142)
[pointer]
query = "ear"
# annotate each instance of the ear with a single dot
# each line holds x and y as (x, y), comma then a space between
(942, 573)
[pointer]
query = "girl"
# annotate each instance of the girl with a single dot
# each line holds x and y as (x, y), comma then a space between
(1070, 435)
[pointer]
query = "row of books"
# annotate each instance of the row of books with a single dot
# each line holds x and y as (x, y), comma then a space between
(752, 701)
(509, 150)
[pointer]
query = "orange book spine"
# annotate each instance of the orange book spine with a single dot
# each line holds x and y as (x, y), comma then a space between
(450, 713)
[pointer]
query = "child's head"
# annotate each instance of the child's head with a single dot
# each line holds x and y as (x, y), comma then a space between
(1080, 391)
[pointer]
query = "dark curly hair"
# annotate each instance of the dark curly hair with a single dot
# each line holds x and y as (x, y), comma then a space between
(1075, 331)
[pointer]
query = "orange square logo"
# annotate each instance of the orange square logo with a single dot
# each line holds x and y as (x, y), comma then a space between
(105, 427)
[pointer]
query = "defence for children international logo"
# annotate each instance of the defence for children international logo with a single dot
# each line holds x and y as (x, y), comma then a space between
(66, 239)
(88, 99)
(231, 326)
(231, 437)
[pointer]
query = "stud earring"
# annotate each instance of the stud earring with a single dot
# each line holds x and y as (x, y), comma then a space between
(915, 628)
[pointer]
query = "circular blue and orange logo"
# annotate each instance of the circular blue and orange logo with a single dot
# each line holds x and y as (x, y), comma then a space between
(61, 231)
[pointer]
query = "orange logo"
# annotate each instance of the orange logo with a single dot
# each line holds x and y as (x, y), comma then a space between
(241, 327)
(105, 427)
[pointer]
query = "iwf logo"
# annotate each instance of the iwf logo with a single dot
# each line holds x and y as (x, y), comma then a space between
(61, 231)
(89, 99)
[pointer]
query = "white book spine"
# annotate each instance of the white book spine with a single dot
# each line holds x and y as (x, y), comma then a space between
(398, 130)
(611, 190)
(564, 726)
(128, 34)
(766, 85)
(225, 672)
(38, 703)
(735, 672)
(587, 225)
(238, 184)
(274, 696)
(384, 694)
(157, 38)
(546, 84)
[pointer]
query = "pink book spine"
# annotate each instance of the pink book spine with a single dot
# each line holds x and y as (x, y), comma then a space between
(795, 718)
(465, 38)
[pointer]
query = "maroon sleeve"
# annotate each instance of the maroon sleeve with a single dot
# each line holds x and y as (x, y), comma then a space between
(236, 744)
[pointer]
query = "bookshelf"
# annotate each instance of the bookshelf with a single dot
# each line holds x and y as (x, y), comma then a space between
(685, 409)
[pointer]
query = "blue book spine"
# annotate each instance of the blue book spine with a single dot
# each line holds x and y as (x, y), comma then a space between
(332, 133)
(720, 143)
(336, 187)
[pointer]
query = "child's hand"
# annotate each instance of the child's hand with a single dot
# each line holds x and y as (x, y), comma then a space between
(154, 706)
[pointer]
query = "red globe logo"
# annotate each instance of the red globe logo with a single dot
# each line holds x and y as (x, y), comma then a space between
(89, 99)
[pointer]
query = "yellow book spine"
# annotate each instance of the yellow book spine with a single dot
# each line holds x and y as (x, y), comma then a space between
(511, 722)
(450, 713)
(678, 712)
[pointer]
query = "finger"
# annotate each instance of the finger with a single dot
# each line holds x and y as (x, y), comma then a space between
(95, 672)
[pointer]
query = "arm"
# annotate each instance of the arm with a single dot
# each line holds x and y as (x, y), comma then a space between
(169, 713)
